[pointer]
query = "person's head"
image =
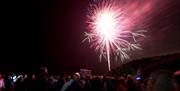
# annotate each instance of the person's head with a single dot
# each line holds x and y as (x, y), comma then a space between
(177, 80)
(122, 82)
(43, 70)
(33, 77)
(76, 76)
(130, 80)
(162, 81)
(149, 86)
(0, 76)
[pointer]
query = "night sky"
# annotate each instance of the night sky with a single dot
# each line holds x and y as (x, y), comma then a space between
(50, 33)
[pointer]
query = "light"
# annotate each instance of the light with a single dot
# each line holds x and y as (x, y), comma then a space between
(138, 78)
(14, 78)
(105, 25)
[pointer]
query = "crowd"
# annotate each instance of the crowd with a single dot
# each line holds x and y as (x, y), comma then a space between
(160, 80)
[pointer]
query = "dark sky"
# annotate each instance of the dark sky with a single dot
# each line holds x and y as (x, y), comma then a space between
(50, 33)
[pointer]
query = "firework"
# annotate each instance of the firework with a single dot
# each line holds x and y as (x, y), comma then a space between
(111, 31)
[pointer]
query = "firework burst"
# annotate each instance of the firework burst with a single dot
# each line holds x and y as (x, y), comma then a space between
(110, 31)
